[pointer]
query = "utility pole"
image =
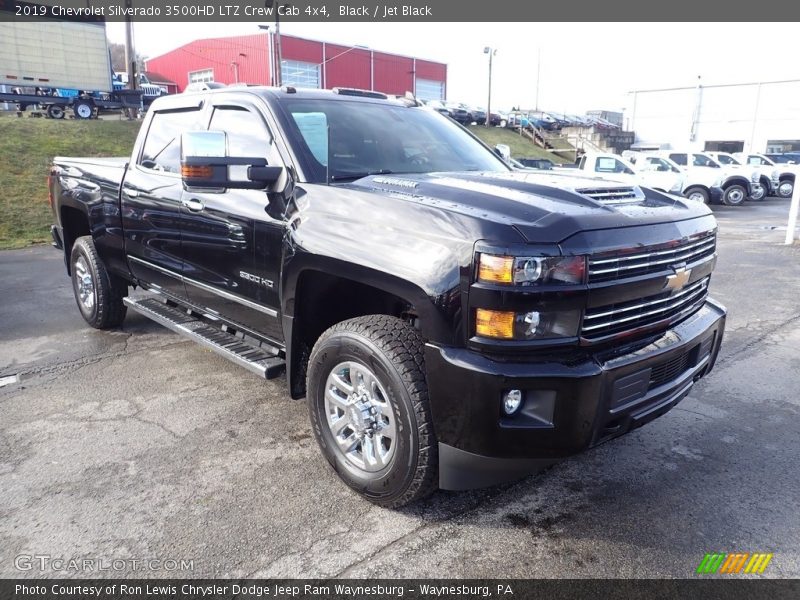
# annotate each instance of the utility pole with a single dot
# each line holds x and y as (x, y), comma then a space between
(278, 76)
(491, 52)
(538, 70)
(130, 55)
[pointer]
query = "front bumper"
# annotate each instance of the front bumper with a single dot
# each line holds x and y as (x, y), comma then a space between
(568, 406)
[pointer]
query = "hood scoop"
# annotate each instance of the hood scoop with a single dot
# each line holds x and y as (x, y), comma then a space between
(614, 195)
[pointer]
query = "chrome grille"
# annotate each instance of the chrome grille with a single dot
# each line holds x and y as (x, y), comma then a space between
(608, 267)
(610, 320)
(614, 195)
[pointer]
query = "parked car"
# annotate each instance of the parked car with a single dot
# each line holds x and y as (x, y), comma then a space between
(786, 175)
(438, 106)
(448, 329)
(701, 185)
(615, 168)
(459, 112)
(497, 119)
(769, 176)
(478, 115)
(737, 183)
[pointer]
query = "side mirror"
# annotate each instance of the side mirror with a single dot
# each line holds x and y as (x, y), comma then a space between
(205, 165)
(503, 151)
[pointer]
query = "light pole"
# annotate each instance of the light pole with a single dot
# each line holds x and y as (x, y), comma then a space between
(491, 52)
(270, 58)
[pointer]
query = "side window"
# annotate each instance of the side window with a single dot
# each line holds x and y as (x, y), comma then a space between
(679, 158)
(248, 137)
(162, 146)
(247, 134)
(698, 160)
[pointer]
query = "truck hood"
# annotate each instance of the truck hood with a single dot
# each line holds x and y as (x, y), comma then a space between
(545, 207)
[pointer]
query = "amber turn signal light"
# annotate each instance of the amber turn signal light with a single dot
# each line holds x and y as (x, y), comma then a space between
(196, 172)
(494, 323)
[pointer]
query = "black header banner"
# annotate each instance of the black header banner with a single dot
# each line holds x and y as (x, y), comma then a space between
(389, 589)
(408, 11)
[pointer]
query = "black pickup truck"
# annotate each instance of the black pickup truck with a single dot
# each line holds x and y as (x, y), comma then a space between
(452, 322)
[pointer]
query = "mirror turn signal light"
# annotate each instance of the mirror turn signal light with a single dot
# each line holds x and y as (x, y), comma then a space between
(197, 172)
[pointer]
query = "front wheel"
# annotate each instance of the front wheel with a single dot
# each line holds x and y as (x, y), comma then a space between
(368, 403)
(98, 293)
(734, 195)
(83, 109)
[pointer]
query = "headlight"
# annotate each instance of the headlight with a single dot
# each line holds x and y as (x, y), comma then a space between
(755, 177)
(677, 188)
(531, 325)
(530, 270)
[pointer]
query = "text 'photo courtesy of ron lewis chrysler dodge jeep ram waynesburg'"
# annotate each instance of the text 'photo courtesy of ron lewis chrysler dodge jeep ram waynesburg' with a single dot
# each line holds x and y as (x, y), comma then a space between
(452, 322)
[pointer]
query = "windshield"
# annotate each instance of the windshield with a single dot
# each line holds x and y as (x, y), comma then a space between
(343, 141)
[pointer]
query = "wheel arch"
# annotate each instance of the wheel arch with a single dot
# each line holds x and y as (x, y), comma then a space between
(356, 291)
(74, 223)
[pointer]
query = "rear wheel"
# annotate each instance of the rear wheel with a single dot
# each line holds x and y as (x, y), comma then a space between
(368, 403)
(785, 188)
(758, 193)
(698, 194)
(734, 195)
(98, 293)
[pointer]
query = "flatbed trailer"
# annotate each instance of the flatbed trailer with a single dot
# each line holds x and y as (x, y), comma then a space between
(83, 106)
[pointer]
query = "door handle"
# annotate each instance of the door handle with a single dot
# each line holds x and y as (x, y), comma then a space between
(193, 204)
(131, 193)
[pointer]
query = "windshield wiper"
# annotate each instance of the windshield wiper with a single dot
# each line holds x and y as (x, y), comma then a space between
(356, 176)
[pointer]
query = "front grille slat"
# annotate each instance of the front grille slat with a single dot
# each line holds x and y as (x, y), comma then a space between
(614, 195)
(614, 319)
(668, 371)
(605, 267)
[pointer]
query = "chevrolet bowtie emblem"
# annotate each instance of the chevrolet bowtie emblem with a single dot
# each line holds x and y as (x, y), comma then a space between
(678, 280)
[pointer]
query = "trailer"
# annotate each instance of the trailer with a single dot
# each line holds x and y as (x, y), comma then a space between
(58, 66)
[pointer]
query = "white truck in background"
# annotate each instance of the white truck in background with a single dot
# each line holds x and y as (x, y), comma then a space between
(615, 168)
(738, 183)
(782, 185)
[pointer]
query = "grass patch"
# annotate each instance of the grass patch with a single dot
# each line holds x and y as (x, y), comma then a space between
(27, 146)
(521, 147)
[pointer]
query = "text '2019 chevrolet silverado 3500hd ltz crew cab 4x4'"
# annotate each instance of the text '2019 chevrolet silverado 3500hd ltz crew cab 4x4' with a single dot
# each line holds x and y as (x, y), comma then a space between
(450, 321)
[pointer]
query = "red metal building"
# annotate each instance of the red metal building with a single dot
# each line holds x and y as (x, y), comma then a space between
(304, 63)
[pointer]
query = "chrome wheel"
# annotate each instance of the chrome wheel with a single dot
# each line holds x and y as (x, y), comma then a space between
(85, 284)
(697, 197)
(758, 193)
(735, 196)
(359, 416)
(785, 189)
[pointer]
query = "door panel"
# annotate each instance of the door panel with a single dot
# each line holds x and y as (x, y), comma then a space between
(151, 201)
(232, 248)
(151, 213)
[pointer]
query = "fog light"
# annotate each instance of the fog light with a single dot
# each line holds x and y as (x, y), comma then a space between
(512, 400)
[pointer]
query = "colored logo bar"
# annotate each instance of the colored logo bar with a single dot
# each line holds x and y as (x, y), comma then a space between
(734, 563)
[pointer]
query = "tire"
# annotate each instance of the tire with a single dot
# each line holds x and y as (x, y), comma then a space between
(734, 195)
(98, 293)
(83, 109)
(698, 194)
(758, 196)
(785, 188)
(384, 356)
(56, 111)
